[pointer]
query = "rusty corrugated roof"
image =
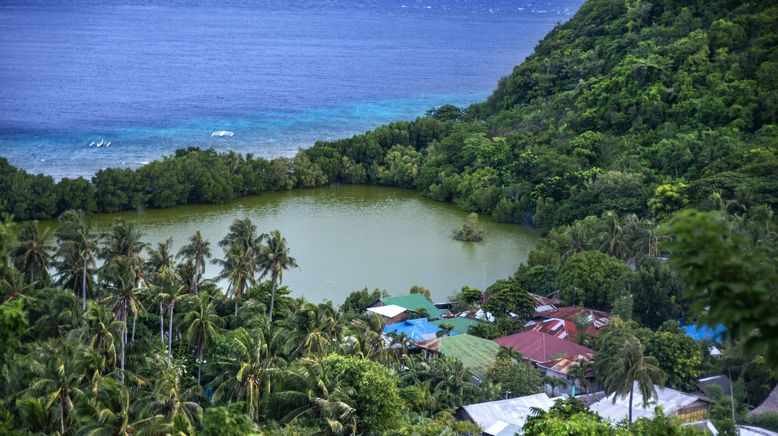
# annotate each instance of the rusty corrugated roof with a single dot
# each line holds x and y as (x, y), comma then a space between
(598, 318)
(541, 347)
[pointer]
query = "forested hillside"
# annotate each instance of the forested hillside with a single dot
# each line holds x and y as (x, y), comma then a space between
(640, 136)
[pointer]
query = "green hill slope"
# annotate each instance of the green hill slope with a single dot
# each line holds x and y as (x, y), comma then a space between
(624, 97)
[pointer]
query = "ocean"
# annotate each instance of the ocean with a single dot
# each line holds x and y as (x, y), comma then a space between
(151, 76)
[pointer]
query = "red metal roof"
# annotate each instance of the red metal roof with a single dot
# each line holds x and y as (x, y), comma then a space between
(543, 304)
(564, 366)
(559, 328)
(541, 347)
(599, 319)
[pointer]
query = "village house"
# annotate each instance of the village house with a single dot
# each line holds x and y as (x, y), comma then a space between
(504, 417)
(687, 407)
(558, 358)
(416, 303)
(476, 354)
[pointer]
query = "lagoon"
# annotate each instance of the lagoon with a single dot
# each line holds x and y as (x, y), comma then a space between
(347, 237)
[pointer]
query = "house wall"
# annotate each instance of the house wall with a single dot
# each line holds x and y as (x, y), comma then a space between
(591, 384)
(399, 318)
(697, 411)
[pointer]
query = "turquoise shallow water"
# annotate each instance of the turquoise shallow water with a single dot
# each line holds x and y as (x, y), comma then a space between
(151, 76)
(348, 237)
(266, 134)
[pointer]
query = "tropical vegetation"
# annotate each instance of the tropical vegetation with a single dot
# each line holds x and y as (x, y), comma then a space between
(639, 137)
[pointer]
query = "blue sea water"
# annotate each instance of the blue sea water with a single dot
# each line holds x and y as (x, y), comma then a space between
(151, 76)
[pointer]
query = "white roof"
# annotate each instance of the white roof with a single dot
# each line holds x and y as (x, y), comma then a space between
(511, 411)
(501, 428)
(746, 430)
(484, 316)
(670, 400)
(389, 311)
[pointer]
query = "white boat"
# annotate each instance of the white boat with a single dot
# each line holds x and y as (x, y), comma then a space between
(100, 144)
(92, 143)
(222, 134)
(109, 144)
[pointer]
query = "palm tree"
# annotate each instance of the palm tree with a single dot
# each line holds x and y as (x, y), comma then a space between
(242, 246)
(641, 235)
(38, 415)
(444, 374)
(58, 381)
(307, 331)
(14, 285)
(622, 366)
(203, 325)
(319, 394)
(124, 241)
(97, 335)
(77, 251)
(160, 259)
(448, 374)
(123, 298)
(251, 372)
(112, 411)
(274, 259)
(238, 269)
(160, 266)
(31, 256)
(196, 252)
(171, 292)
(160, 296)
(366, 338)
(611, 236)
(171, 411)
(61, 313)
(243, 234)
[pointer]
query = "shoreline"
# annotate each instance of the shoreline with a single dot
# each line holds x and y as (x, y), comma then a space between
(268, 134)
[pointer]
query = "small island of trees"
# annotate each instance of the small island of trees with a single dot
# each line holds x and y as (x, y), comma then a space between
(471, 230)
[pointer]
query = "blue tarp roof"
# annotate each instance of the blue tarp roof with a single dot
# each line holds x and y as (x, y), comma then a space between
(416, 330)
(702, 333)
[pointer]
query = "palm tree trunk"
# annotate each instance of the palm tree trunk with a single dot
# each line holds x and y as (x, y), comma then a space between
(170, 332)
(135, 315)
(61, 415)
(197, 278)
(32, 273)
(273, 294)
(200, 366)
(631, 389)
(124, 343)
(161, 325)
(83, 286)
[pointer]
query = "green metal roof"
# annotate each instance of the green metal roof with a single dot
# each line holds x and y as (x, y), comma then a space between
(476, 354)
(414, 302)
(460, 324)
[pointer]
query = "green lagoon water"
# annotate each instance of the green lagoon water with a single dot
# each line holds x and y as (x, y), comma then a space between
(349, 237)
